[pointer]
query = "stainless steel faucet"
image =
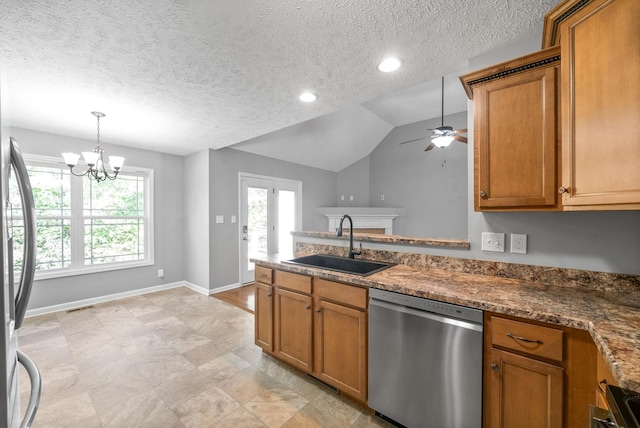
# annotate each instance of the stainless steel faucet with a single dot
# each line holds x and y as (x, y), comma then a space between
(352, 253)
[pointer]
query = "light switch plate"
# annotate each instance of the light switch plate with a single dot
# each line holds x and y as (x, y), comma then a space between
(493, 242)
(219, 219)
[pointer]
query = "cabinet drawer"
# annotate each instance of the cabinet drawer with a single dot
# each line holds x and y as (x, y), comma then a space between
(292, 281)
(341, 293)
(264, 275)
(532, 339)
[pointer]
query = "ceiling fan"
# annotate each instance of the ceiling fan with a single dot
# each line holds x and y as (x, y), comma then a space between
(442, 136)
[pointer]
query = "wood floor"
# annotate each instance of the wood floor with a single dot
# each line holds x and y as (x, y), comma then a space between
(242, 297)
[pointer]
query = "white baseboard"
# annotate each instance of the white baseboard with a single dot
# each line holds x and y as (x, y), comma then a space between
(196, 288)
(107, 298)
(102, 299)
(226, 288)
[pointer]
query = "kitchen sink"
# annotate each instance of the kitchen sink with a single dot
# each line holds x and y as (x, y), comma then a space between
(341, 264)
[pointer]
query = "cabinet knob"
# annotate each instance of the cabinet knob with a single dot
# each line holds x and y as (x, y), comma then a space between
(308, 307)
(318, 311)
(483, 194)
(269, 295)
(563, 189)
(494, 367)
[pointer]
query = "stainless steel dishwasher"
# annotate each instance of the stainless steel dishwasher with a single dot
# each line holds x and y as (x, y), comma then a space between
(425, 361)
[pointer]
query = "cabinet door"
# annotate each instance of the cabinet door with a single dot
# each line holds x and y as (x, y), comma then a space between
(523, 392)
(601, 106)
(515, 144)
(293, 329)
(264, 316)
(341, 348)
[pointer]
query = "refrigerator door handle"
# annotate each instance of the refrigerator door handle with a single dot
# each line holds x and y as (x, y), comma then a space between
(29, 259)
(36, 388)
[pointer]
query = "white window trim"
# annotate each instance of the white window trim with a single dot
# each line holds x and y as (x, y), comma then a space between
(149, 259)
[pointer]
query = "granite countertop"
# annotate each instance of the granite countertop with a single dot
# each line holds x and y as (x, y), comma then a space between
(391, 239)
(612, 319)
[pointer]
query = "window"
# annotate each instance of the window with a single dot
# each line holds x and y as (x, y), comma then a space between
(84, 226)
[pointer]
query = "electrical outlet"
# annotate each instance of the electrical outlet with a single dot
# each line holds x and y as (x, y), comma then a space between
(519, 243)
(160, 273)
(493, 242)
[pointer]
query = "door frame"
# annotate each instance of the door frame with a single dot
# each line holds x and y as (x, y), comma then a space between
(277, 184)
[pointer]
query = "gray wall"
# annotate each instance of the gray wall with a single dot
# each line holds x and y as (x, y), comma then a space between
(600, 241)
(434, 195)
(354, 181)
(318, 189)
(168, 222)
(197, 216)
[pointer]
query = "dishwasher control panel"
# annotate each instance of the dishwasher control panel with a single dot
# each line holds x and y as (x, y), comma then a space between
(427, 305)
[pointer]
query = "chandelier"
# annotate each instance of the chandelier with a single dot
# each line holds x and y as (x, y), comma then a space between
(95, 160)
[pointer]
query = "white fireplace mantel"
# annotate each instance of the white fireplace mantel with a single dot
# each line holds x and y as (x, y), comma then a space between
(363, 217)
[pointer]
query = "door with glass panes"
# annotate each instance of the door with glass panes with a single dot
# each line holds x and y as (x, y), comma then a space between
(269, 211)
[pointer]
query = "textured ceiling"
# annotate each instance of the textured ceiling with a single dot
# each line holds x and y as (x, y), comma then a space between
(179, 76)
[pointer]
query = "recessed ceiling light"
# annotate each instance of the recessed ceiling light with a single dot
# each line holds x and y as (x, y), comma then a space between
(389, 65)
(308, 97)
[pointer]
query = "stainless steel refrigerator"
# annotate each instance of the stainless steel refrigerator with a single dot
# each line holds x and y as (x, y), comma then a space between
(17, 223)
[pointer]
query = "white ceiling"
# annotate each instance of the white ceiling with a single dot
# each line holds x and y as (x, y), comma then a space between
(179, 76)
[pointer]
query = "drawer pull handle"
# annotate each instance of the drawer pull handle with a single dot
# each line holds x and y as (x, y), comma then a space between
(524, 339)
(602, 383)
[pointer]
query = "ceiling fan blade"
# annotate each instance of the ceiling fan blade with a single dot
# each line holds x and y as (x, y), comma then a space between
(417, 139)
(461, 131)
(460, 138)
(429, 147)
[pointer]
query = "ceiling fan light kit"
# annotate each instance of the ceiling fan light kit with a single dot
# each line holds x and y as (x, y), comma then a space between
(442, 136)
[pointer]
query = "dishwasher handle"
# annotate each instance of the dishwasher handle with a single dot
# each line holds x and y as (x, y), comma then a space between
(428, 315)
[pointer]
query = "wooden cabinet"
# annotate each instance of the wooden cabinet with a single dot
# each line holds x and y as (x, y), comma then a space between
(601, 106)
(264, 308)
(536, 374)
(516, 133)
(525, 392)
(583, 87)
(604, 377)
(293, 329)
(340, 337)
(317, 326)
(293, 318)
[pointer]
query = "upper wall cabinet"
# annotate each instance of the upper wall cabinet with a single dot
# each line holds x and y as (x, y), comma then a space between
(584, 88)
(516, 133)
(600, 48)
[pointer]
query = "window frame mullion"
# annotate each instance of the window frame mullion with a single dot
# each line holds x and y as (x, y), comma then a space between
(77, 222)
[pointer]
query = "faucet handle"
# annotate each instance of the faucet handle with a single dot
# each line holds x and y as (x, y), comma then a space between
(358, 253)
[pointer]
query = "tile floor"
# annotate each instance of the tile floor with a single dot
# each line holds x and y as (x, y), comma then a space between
(174, 358)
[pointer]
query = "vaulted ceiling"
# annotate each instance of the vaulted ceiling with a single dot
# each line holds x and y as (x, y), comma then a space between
(179, 76)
